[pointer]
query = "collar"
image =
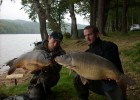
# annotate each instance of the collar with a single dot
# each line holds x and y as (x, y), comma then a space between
(97, 41)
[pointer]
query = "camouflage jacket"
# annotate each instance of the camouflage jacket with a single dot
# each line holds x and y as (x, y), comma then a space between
(53, 67)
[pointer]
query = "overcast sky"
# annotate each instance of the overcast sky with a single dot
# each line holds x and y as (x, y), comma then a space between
(11, 10)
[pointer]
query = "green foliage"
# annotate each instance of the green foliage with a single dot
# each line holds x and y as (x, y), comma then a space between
(134, 53)
(6, 90)
(64, 90)
(26, 27)
(134, 57)
(67, 35)
(18, 27)
(29, 8)
(114, 21)
(134, 32)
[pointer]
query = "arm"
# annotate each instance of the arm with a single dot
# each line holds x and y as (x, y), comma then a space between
(54, 66)
(111, 53)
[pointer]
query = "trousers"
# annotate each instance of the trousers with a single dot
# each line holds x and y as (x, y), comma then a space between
(41, 83)
(108, 89)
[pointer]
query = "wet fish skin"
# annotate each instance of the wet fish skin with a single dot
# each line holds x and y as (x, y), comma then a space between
(93, 67)
(32, 61)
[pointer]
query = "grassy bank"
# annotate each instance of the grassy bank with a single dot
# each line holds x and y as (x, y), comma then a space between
(129, 48)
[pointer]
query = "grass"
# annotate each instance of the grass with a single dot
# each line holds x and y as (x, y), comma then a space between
(129, 48)
(13, 90)
(133, 57)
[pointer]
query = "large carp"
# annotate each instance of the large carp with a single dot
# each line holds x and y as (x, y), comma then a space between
(93, 67)
(32, 61)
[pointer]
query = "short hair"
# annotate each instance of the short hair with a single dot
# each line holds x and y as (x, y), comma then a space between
(94, 28)
(57, 35)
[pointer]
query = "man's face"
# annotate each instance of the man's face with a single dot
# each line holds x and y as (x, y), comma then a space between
(52, 44)
(89, 35)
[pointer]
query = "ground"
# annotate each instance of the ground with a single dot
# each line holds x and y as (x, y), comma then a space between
(10, 82)
(123, 43)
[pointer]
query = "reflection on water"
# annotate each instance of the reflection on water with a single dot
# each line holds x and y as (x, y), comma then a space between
(13, 45)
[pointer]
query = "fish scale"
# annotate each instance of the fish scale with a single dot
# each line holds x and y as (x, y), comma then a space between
(92, 73)
(32, 61)
(93, 67)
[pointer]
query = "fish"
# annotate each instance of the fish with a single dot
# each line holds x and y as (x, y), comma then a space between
(93, 67)
(32, 61)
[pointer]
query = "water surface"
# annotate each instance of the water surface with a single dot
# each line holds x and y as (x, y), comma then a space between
(13, 45)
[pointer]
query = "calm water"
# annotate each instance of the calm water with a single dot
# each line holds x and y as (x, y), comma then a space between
(13, 45)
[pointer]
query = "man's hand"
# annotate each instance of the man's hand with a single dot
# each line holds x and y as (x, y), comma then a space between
(108, 79)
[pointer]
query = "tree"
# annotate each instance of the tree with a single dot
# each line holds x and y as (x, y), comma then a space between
(97, 12)
(48, 10)
(74, 31)
(124, 16)
(42, 17)
(93, 11)
(103, 8)
(38, 8)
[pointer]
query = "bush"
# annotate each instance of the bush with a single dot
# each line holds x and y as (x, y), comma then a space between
(67, 35)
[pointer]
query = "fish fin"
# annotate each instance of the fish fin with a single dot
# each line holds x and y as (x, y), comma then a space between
(34, 71)
(10, 62)
(127, 80)
(11, 70)
(83, 80)
(33, 67)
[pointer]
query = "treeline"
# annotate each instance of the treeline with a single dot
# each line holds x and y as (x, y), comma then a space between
(18, 27)
(107, 15)
(26, 27)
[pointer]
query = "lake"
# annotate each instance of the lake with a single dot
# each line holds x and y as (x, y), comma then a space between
(13, 45)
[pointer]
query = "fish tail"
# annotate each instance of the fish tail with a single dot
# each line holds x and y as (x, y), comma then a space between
(10, 62)
(128, 80)
(11, 70)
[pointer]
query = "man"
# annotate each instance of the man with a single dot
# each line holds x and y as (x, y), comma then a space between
(108, 50)
(42, 81)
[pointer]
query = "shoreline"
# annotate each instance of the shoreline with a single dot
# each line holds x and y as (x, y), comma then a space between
(10, 82)
(4, 69)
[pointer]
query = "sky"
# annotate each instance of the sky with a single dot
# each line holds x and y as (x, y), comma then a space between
(11, 10)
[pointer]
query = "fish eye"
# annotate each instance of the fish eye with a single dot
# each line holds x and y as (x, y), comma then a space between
(62, 56)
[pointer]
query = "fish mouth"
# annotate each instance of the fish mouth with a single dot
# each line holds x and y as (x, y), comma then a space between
(56, 59)
(61, 63)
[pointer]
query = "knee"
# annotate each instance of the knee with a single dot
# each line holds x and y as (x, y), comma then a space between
(35, 91)
(76, 80)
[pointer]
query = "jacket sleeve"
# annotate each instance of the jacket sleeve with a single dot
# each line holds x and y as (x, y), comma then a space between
(40, 45)
(111, 53)
(54, 65)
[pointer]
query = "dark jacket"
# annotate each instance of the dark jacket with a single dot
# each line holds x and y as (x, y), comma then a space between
(109, 51)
